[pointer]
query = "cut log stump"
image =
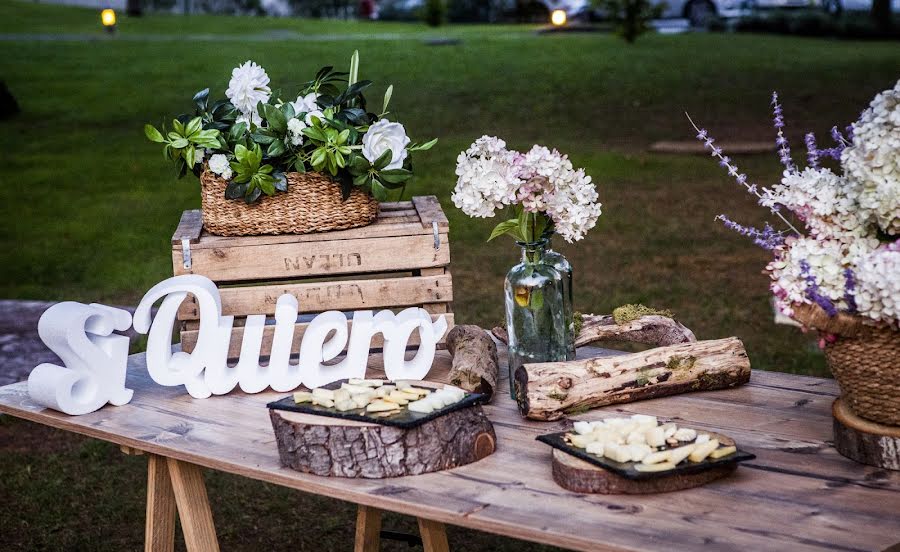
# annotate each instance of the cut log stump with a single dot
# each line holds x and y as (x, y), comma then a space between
(864, 441)
(579, 476)
(345, 448)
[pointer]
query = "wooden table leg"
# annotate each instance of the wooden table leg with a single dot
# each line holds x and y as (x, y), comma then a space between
(193, 507)
(160, 524)
(368, 529)
(434, 536)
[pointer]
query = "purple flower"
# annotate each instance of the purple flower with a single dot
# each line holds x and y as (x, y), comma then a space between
(812, 290)
(812, 153)
(850, 290)
(767, 238)
(784, 150)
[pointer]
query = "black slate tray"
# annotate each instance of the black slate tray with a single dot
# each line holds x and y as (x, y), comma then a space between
(403, 419)
(626, 469)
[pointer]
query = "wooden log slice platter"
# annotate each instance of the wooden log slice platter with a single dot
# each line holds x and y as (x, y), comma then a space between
(347, 448)
(864, 441)
(579, 476)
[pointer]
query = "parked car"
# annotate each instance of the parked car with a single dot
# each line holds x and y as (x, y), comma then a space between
(837, 7)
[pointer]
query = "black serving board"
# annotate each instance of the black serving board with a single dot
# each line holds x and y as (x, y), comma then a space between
(626, 469)
(403, 419)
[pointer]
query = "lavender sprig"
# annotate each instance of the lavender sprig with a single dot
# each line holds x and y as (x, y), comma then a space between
(840, 143)
(767, 238)
(784, 150)
(739, 177)
(850, 290)
(812, 290)
(812, 154)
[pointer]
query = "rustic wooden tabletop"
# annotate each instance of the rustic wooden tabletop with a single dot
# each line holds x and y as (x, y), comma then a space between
(799, 493)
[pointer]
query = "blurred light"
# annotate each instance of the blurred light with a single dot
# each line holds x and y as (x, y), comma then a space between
(108, 18)
(558, 17)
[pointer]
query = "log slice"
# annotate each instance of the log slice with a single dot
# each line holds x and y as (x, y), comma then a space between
(346, 448)
(576, 475)
(864, 441)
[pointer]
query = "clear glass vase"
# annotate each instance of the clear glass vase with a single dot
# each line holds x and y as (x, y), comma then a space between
(535, 311)
(562, 265)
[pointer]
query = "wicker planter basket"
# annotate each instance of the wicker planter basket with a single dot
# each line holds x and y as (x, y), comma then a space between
(865, 361)
(311, 204)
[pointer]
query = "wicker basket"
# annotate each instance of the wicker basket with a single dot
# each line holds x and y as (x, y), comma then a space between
(311, 204)
(865, 361)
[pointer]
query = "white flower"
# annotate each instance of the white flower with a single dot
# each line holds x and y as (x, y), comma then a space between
(219, 165)
(487, 177)
(248, 86)
(317, 113)
(199, 154)
(873, 160)
(827, 203)
(878, 284)
(305, 104)
(295, 130)
(383, 136)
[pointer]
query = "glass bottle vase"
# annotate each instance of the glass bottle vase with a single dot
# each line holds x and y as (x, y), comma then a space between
(562, 265)
(535, 311)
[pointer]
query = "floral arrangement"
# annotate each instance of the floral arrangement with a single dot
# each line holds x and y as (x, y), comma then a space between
(546, 193)
(254, 136)
(848, 258)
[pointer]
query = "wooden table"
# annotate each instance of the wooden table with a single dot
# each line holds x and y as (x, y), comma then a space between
(799, 494)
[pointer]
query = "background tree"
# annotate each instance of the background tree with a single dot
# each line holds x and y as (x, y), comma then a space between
(631, 17)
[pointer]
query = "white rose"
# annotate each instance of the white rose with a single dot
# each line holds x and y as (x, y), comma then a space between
(305, 104)
(383, 136)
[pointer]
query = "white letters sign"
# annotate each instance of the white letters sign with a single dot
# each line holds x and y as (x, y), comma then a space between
(95, 358)
(205, 370)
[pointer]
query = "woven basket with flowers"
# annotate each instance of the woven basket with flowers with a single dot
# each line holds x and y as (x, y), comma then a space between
(841, 275)
(269, 165)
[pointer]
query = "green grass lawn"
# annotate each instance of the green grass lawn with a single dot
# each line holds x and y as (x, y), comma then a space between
(87, 205)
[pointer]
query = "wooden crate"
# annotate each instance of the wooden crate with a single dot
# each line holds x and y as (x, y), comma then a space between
(401, 260)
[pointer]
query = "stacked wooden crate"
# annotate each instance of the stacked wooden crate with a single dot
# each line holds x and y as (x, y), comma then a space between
(401, 260)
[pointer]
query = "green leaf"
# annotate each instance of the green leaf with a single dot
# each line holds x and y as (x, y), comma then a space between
(201, 98)
(287, 109)
(281, 183)
(275, 118)
(153, 135)
(276, 148)
(339, 160)
(241, 153)
(395, 176)
(299, 165)
(237, 132)
(235, 190)
(360, 179)
(505, 227)
(423, 147)
(193, 127)
(179, 128)
(342, 136)
(260, 138)
(318, 158)
(383, 160)
(358, 164)
(253, 194)
(354, 68)
(179, 143)
(379, 192)
(387, 98)
(189, 154)
(266, 183)
(314, 133)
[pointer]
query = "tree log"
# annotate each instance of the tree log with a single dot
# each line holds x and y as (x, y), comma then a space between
(345, 448)
(864, 441)
(653, 330)
(550, 390)
(475, 367)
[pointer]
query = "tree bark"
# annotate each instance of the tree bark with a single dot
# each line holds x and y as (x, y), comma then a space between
(550, 390)
(475, 365)
(651, 330)
(343, 448)
(865, 441)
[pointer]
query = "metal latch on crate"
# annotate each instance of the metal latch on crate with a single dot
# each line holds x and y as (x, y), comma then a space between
(437, 237)
(186, 253)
